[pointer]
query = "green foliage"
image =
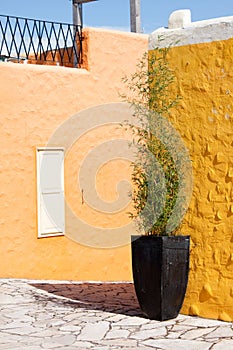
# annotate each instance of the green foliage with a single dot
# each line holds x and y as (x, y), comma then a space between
(154, 175)
(149, 86)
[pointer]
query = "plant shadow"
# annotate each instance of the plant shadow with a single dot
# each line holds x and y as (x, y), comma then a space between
(119, 298)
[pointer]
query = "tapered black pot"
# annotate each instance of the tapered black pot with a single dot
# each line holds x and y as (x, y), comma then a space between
(160, 271)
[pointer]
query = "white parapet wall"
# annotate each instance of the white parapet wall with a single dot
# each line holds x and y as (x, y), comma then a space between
(182, 31)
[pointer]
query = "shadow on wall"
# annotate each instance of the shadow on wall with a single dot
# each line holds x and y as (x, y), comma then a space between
(118, 298)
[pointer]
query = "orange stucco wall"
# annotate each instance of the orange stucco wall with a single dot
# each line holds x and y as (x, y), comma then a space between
(35, 100)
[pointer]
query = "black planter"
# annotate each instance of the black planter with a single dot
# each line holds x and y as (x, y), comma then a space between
(160, 272)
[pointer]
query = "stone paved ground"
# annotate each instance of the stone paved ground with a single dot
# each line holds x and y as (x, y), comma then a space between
(68, 315)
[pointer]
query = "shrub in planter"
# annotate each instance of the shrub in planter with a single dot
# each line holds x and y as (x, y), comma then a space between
(162, 180)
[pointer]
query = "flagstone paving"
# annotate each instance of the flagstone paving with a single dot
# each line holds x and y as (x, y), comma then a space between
(37, 315)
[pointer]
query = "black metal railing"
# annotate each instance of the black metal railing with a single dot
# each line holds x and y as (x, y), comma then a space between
(40, 41)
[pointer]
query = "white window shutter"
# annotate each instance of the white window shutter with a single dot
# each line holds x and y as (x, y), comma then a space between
(50, 191)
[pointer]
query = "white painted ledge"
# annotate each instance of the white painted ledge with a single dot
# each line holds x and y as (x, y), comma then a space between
(181, 31)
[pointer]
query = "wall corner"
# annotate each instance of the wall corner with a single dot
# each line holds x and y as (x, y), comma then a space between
(85, 49)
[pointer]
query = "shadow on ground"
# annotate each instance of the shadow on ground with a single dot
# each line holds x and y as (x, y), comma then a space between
(118, 298)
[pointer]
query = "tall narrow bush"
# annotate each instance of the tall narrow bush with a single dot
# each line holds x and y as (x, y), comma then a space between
(154, 173)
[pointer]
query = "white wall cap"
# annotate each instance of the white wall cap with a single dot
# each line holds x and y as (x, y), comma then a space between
(209, 30)
(179, 19)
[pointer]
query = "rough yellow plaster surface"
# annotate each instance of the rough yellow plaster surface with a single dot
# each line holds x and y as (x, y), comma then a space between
(204, 119)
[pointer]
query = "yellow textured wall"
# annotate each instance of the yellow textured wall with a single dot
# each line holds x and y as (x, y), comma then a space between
(34, 101)
(205, 121)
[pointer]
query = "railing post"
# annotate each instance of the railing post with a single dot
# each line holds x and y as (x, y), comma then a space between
(77, 20)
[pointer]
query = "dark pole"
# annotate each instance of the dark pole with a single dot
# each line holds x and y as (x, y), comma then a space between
(135, 16)
(77, 13)
(77, 8)
(76, 22)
